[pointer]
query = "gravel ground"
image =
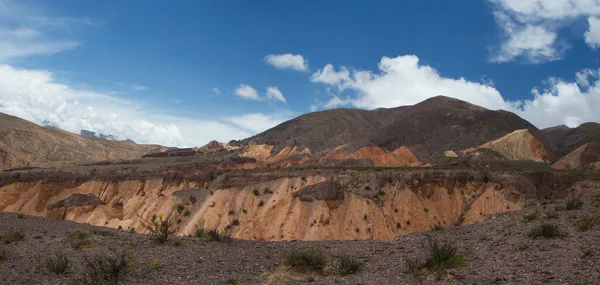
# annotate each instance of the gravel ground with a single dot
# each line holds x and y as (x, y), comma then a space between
(497, 252)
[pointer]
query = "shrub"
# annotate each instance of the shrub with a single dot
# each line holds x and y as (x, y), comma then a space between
(235, 281)
(437, 227)
(12, 237)
(545, 231)
(255, 192)
(187, 213)
(235, 222)
(585, 224)
(180, 207)
(159, 227)
(58, 264)
(193, 200)
(531, 217)
(261, 203)
(231, 213)
(268, 191)
(3, 254)
(440, 256)
(107, 268)
(78, 239)
(210, 236)
(573, 204)
(311, 259)
(349, 265)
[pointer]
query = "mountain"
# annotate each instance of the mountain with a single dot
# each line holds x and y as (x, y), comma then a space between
(25, 144)
(568, 139)
(428, 130)
(586, 156)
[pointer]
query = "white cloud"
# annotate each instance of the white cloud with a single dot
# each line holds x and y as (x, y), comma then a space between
(287, 61)
(258, 122)
(531, 28)
(592, 36)
(216, 91)
(247, 92)
(403, 81)
(273, 93)
(35, 96)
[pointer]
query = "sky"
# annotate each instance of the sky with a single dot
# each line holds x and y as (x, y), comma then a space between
(183, 73)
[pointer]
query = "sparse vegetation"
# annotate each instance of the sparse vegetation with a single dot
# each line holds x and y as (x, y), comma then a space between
(349, 265)
(437, 227)
(306, 259)
(268, 191)
(16, 236)
(210, 236)
(235, 222)
(573, 204)
(545, 230)
(231, 213)
(552, 215)
(531, 217)
(261, 203)
(235, 281)
(180, 207)
(585, 224)
(193, 200)
(78, 239)
(3, 254)
(107, 268)
(256, 192)
(160, 228)
(440, 256)
(57, 264)
(187, 213)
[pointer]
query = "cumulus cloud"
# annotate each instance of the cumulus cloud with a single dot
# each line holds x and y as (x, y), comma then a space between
(403, 81)
(35, 96)
(531, 28)
(287, 61)
(258, 122)
(273, 93)
(247, 92)
(592, 36)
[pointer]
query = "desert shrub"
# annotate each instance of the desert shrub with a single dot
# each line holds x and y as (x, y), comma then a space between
(160, 228)
(437, 227)
(255, 192)
(349, 265)
(261, 203)
(531, 217)
(57, 264)
(187, 213)
(573, 204)
(180, 207)
(107, 268)
(268, 191)
(440, 256)
(585, 224)
(3, 254)
(210, 236)
(193, 200)
(235, 222)
(306, 259)
(233, 281)
(231, 213)
(545, 231)
(78, 239)
(12, 237)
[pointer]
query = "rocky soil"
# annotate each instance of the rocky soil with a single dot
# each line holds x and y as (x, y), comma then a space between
(498, 251)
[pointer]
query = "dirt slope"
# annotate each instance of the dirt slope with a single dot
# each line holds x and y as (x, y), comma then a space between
(497, 252)
(520, 145)
(24, 144)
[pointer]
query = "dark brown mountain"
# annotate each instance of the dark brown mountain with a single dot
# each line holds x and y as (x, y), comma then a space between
(428, 129)
(569, 139)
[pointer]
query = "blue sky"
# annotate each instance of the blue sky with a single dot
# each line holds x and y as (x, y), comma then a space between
(185, 72)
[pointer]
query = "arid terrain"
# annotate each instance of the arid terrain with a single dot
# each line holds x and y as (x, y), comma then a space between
(440, 192)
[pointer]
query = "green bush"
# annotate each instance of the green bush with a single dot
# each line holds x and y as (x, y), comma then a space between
(573, 204)
(545, 231)
(78, 239)
(107, 268)
(256, 192)
(210, 236)
(160, 228)
(306, 259)
(349, 265)
(12, 237)
(58, 264)
(440, 256)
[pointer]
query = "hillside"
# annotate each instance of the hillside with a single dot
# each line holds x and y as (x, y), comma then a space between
(426, 130)
(586, 156)
(25, 144)
(568, 139)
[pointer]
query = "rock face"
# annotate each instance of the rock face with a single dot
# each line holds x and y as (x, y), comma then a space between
(25, 144)
(520, 145)
(289, 204)
(586, 156)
